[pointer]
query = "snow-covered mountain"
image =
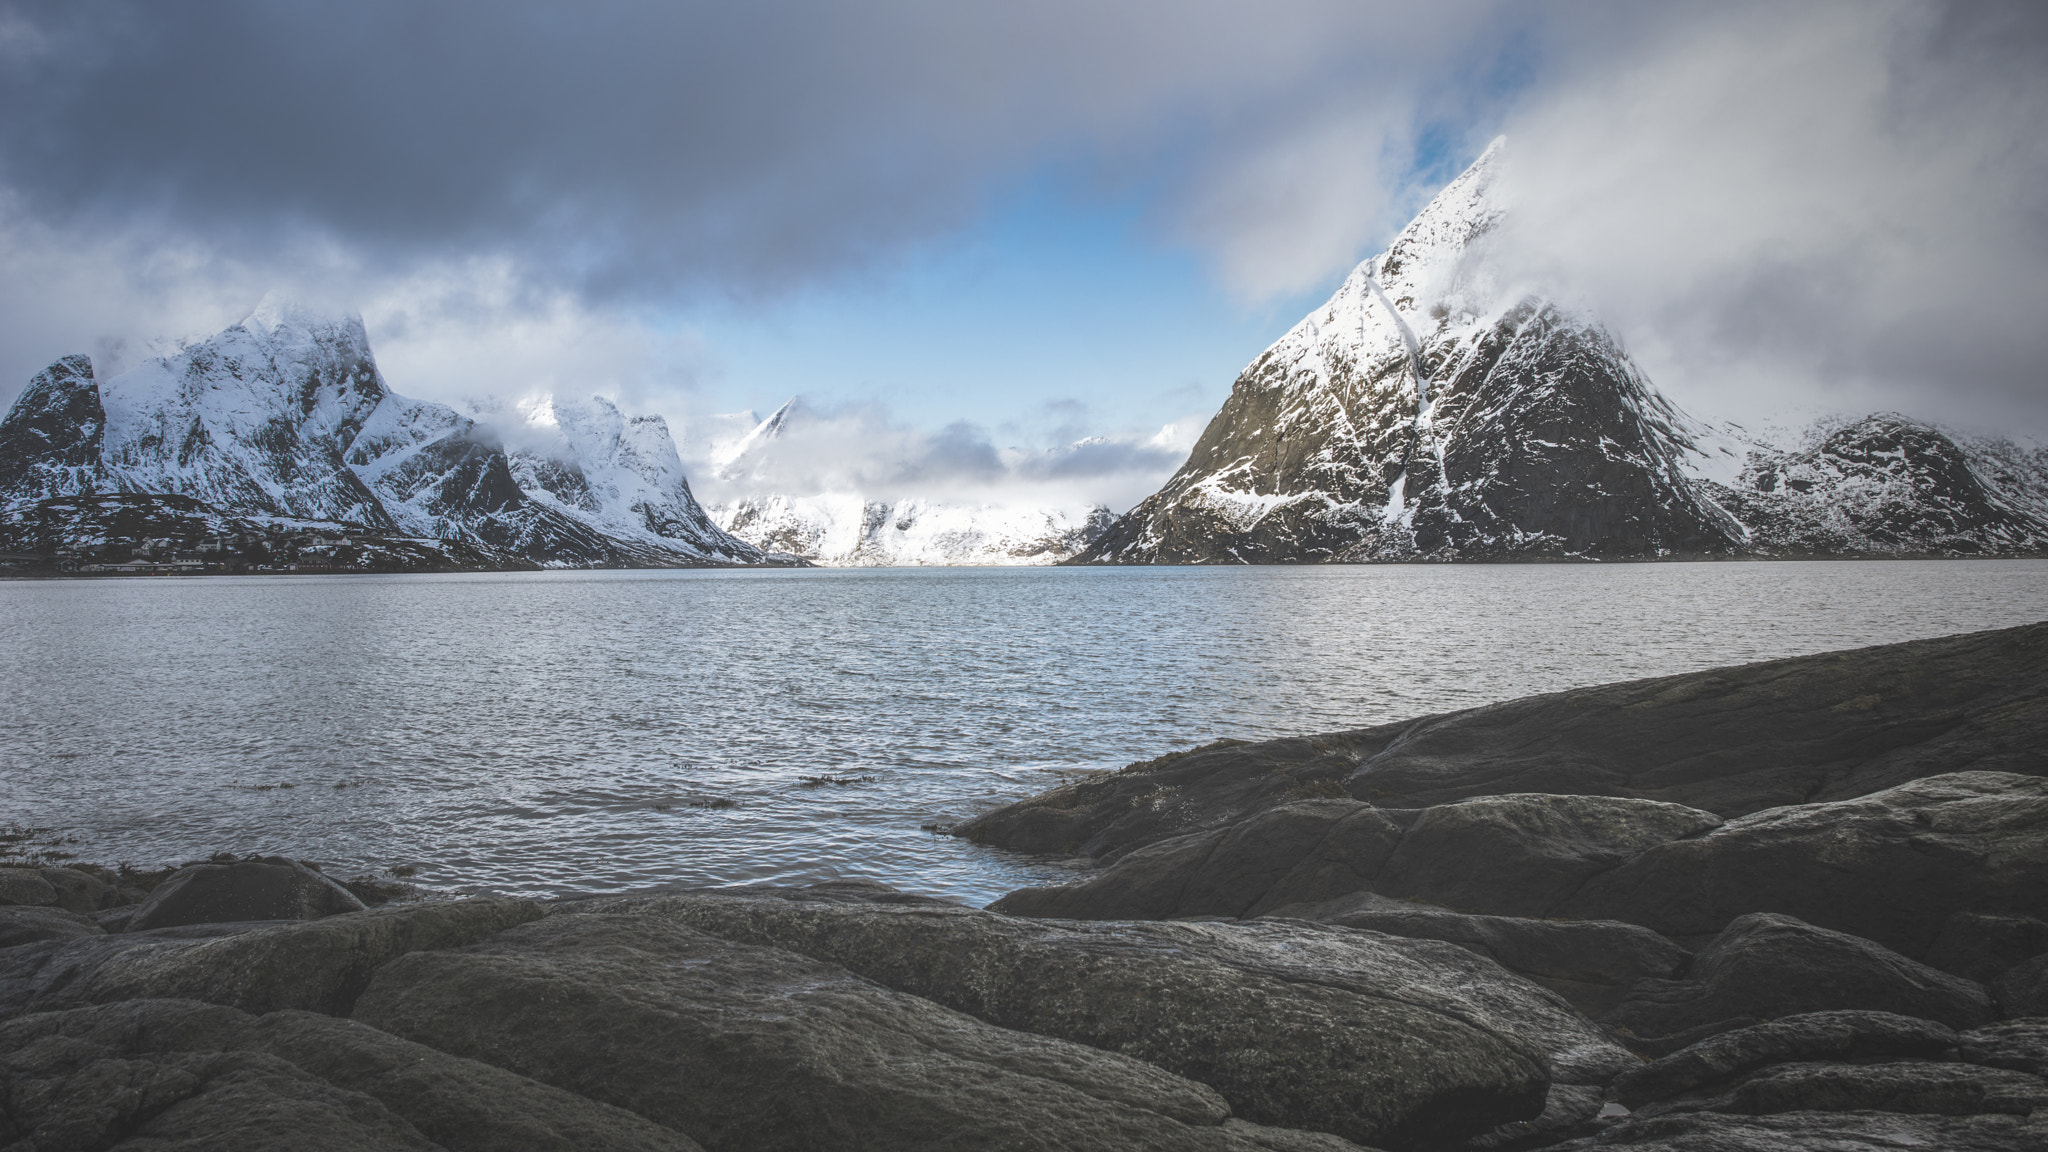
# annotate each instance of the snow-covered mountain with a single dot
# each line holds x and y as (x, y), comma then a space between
(844, 527)
(847, 531)
(1429, 410)
(1889, 485)
(286, 415)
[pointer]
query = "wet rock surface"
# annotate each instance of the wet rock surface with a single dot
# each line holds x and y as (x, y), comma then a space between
(264, 888)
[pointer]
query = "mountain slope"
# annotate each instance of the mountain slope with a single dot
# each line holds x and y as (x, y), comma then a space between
(1887, 485)
(287, 415)
(1429, 411)
(830, 518)
(847, 531)
(50, 440)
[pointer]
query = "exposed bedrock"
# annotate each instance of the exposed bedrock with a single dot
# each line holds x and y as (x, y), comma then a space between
(2021, 1045)
(1843, 1037)
(181, 1074)
(1592, 963)
(749, 1047)
(1384, 1040)
(1895, 867)
(2023, 990)
(1731, 741)
(1812, 1131)
(319, 966)
(481, 1025)
(258, 888)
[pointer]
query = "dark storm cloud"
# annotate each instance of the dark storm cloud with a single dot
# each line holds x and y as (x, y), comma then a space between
(1833, 201)
(612, 145)
(1834, 204)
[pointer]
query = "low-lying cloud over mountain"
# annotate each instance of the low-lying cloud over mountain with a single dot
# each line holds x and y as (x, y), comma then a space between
(1834, 203)
(804, 450)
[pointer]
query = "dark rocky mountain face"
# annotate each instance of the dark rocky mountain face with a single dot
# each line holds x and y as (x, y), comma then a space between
(50, 442)
(1539, 438)
(114, 527)
(1887, 485)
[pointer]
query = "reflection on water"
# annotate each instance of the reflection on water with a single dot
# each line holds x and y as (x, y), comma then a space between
(574, 732)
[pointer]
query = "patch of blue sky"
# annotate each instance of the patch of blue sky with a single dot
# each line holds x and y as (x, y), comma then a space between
(1052, 315)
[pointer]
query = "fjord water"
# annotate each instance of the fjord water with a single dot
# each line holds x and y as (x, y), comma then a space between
(555, 733)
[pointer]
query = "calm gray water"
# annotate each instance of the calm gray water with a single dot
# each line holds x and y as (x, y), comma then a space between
(549, 733)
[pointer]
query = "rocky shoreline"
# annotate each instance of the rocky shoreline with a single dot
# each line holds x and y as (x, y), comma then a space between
(1793, 905)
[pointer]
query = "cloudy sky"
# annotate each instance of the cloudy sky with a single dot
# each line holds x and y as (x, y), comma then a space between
(1015, 225)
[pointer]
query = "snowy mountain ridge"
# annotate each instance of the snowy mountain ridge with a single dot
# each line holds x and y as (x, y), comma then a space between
(285, 414)
(1429, 409)
(842, 526)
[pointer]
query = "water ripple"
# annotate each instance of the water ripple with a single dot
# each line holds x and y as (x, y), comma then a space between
(563, 732)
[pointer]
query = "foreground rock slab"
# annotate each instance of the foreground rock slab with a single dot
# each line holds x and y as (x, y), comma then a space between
(1812, 1036)
(318, 966)
(1818, 1132)
(1767, 966)
(1909, 1086)
(751, 1048)
(1386, 1041)
(1731, 741)
(2021, 1045)
(1896, 866)
(1592, 963)
(180, 1074)
(259, 888)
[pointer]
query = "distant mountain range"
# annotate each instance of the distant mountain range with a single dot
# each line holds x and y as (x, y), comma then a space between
(1424, 413)
(282, 422)
(847, 527)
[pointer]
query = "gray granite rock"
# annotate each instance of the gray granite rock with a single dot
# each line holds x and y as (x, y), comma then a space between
(2021, 1045)
(180, 1074)
(1297, 1024)
(25, 886)
(1812, 1036)
(258, 888)
(752, 1048)
(1894, 866)
(1591, 963)
(319, 965)
(2022, 990)
(1769, 966)
(1915, 1086)
(1818, 1132)
(20, 924)
(1732, 741)
(1982, 947)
